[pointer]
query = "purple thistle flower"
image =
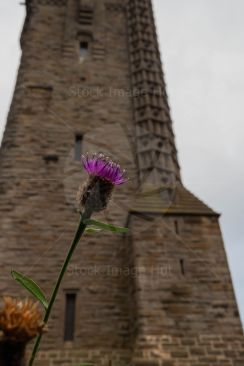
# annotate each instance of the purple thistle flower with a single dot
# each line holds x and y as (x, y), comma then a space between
(103, 167)
(104, 175)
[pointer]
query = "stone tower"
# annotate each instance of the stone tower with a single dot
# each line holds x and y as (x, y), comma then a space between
(90, 79)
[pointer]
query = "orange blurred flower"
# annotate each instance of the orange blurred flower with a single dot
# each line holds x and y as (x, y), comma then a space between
(20, 321)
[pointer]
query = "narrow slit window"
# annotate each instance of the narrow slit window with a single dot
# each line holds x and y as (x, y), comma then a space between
(177, 227)
(84, 48)
(182, 267)
(78, 147)
(69, 322)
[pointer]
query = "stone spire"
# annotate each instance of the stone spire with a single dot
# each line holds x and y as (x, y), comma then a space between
(156, 152)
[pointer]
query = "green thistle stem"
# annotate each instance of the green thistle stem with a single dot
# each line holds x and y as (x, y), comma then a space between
(79, 232)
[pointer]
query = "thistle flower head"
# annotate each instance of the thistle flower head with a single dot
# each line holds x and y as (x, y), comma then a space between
(101, 166)
(20, 321)
(104, 174)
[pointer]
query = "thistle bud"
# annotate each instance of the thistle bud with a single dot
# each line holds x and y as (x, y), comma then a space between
(104, 175)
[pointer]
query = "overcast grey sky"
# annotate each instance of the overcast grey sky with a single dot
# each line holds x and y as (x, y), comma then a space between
(202, 44)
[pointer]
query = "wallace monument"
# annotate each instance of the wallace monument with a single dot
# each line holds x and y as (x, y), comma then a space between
(91, 80)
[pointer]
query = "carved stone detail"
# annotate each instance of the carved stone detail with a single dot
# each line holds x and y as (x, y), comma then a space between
(157, 160)
(86, 12)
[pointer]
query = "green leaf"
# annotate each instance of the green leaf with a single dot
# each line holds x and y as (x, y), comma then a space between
(31, 286)
(101, 225)
(90, 230)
